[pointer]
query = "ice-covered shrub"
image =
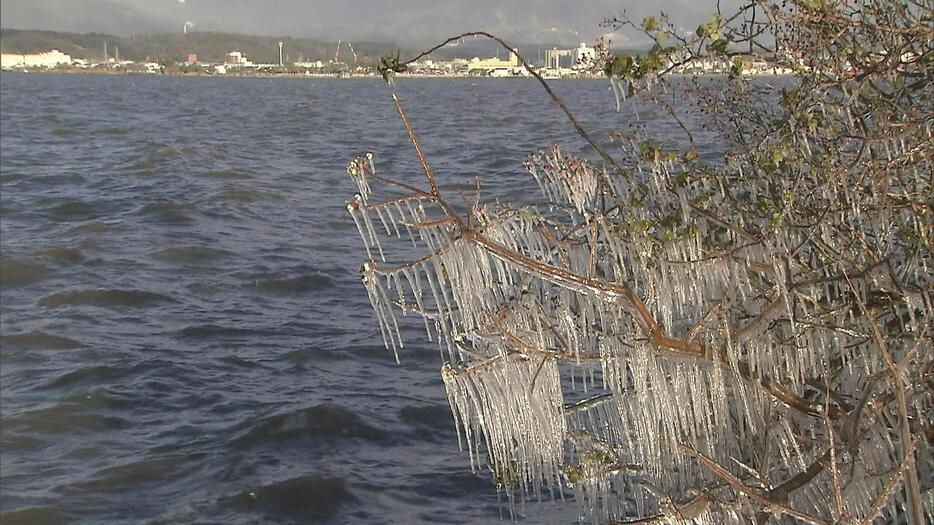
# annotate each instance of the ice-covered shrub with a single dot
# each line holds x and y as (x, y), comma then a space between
(754, 331)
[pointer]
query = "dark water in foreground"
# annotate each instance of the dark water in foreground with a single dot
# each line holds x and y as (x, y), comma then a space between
(184, 337)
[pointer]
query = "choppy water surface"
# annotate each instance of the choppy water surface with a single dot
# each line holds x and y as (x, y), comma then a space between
(184, 336)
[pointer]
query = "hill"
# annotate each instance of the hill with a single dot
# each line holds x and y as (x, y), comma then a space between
(210, 47)
(213, 46)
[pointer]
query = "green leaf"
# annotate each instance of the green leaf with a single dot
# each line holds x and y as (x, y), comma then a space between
(710, 28)
(648, 150)
(777, 219)
(620, 66)
(718, 46)
(763, 204)
(389, 65)
(714, 21)
(652, 62)
(777, 155)
(649, 24)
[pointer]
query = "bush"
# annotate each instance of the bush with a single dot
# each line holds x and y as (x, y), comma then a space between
(760, 323)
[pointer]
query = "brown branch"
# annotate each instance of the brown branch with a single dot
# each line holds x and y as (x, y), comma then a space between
(739, 486)
(683, 513)
(429, 174)
(904, 431)
(883, 496)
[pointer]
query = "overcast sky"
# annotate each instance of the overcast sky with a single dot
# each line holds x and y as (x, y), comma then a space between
(400, 21)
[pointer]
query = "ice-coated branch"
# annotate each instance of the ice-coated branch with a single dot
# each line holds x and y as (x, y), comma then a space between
(766, 311)
(769, 505)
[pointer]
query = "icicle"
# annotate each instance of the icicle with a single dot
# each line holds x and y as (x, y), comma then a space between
(353, 207)
(521, 420)
(618, 94)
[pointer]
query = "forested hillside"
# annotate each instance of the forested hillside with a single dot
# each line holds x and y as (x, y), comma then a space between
(210, 47)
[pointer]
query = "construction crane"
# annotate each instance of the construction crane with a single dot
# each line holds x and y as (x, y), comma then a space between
(338, 51)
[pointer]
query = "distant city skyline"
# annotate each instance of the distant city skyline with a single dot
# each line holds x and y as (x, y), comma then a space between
(406, 22)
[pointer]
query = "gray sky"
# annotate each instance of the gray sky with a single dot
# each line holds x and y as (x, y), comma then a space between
(401, 21)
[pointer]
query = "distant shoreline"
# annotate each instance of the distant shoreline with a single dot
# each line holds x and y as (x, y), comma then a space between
(104, 72)
(45, 71)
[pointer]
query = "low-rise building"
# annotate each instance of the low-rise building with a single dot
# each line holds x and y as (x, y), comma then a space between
(237, 59)
(584, 56)
(48, 59)
(553, 57)
(496, 66)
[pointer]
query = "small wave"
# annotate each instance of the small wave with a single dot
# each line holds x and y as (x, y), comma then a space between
(338, 225)
(434, 416)
(63, 418)
(92, 227)
(39, 341)
(226, 174)
(18, 272)
(67, 255)
(60, 179)
(33, 515)
(210, 331)
(449, 483)
(241, 195)
(89, 375)
(206, 289)
(503, 162)
(306, 499)
(106, 298)
(73, 211)
(324, 420)
(112, 130)
(302, 356)
(300, 284)
(171, 152)
(148, 471)
(9, 178)
(190, 254)
(64, 132)
(143, 165)
(168, 212)
(12, 441)
(431, 423)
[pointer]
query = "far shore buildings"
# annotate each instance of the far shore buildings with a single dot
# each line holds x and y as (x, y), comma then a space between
(496, 67)
(579, 58)
(48, 59)
(558, 63)
(237, 59)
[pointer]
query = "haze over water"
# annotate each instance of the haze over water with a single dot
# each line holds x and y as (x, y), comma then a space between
(184, 334)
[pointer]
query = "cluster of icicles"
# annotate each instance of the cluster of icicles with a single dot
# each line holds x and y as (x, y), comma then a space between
(523, 302)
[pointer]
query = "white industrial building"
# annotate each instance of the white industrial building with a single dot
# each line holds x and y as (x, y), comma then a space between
(47, 59)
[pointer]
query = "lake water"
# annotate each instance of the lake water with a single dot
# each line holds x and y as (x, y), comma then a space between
(184, 335)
